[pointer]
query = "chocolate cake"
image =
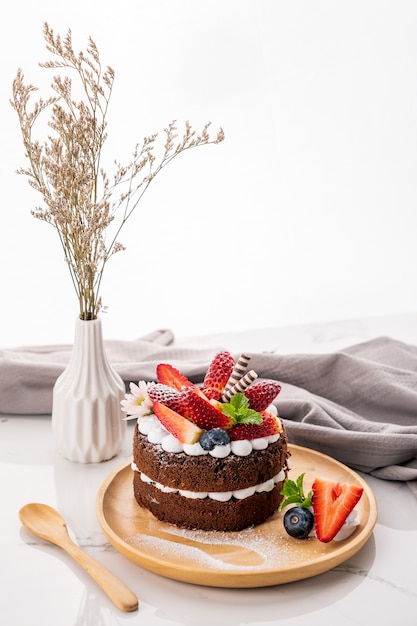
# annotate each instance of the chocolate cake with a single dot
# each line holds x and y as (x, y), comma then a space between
(212, 457)
(175, 486)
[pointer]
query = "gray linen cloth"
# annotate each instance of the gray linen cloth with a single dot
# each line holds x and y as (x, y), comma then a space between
(358, 405)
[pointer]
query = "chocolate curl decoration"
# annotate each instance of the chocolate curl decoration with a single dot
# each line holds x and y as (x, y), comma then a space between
(236, 375)
(242, 384)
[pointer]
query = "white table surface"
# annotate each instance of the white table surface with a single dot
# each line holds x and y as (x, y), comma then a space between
(41, 585)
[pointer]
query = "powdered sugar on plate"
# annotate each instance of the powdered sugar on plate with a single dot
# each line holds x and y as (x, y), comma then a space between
(247, 550)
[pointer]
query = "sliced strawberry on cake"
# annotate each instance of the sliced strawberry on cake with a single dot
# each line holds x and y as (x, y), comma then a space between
(217, 375)
(180, 427)
(162, 393)
(262, 393)
(332, 503)
(207, 414)
(171, 377)
(247, 423)
(267, 427)
(172, 398)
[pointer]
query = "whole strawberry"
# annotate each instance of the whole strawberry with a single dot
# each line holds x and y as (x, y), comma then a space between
(262, 393)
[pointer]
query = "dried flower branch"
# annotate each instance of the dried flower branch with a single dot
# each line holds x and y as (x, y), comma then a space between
(79, 197)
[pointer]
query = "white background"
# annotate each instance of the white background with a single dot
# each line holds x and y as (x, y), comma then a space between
(306, 212)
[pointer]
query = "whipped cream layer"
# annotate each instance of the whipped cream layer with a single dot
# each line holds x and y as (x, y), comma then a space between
(219, 496)
(156, 433)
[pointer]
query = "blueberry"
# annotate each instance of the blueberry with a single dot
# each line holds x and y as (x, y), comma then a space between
(214, 437)
(298, 522)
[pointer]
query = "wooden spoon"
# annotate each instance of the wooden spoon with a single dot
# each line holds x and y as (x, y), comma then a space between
(47, 523)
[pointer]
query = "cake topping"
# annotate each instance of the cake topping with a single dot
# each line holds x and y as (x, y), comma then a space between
(262, 393)
(172, 398)
(175, 400)
(218, 375)
(241, 447)
(239, 411)
(186, 410)
(268, 426)
(237, 373)
(137, 403)
(184, 430)
(214, 437)
(170, 376)
(207, 414)
(241, 384)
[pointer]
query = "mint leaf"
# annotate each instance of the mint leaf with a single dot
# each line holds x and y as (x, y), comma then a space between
(300, 485)
(238, 410)
(289, 488)
(294, 493)
(229, 410)
(295, 499)
(250, 417)
(239, 401)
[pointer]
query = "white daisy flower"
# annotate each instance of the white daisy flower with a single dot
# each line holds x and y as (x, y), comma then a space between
(137, 403)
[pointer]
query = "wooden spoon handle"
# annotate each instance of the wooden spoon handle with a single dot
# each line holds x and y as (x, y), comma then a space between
(117, 591)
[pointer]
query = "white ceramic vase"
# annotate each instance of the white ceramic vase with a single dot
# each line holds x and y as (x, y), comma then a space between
(87, 420)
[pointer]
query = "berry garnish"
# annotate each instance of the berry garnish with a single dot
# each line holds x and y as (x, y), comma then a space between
(162, 393)
(298, 522)
(242, 409)
(269, 426)
(205, 414)
(214, 437)
(170, 376)
(262, 393)
(179, 426)
(211, 393)
(332, 503)
(218, 373)
(172, 398)
(294, 493)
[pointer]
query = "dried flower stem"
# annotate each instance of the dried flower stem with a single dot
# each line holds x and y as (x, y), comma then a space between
(66, 169)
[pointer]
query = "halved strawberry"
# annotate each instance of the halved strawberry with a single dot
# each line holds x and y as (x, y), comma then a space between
(172, 398)
(218, 373)
(162, 393)
(262, 393)
(332, 503)
(206, 414)
(184, 430)
(211, 393)
(270, 426)
(170, 376)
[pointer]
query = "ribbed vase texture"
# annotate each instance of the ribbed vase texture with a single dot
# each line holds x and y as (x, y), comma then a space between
(87, 420)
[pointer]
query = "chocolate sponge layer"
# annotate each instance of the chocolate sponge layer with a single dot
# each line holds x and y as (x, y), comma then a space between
(205, 473)
(206, 514)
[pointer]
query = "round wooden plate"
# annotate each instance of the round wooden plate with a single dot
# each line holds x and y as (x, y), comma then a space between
(256, 557)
